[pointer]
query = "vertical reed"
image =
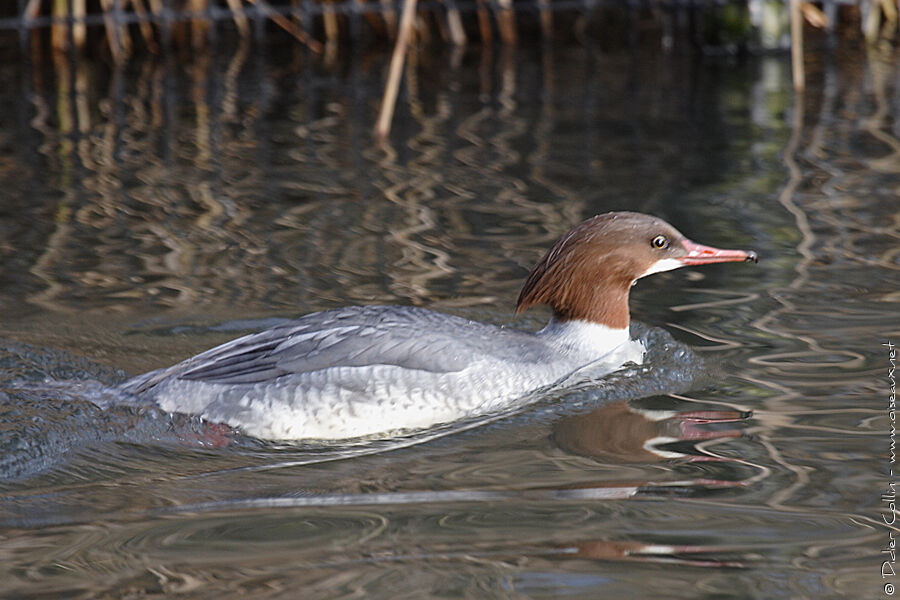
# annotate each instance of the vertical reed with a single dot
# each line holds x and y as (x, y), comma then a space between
(152, 19)
(797, 46)
(386, 114)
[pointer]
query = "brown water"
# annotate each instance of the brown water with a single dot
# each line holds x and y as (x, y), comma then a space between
(151, 213)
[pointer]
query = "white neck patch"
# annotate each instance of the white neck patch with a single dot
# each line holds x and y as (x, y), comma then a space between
(584, 336)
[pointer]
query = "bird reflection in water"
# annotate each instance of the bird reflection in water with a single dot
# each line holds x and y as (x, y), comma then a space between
(621, 433)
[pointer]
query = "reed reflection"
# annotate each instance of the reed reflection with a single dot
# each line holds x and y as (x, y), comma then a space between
(825, 307)
(185, 175)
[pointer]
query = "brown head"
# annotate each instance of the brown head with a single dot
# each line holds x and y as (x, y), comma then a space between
(588, 272)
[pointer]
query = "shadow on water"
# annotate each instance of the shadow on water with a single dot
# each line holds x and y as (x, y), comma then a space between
(153, 212)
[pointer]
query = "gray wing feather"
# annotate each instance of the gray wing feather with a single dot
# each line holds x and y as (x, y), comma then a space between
(347, 337)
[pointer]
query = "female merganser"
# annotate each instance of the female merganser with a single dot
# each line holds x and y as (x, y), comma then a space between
(365, 370)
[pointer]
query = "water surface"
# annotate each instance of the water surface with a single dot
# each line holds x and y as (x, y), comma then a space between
(151, 213)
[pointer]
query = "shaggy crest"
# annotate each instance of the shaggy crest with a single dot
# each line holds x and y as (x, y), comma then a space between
(588, 273)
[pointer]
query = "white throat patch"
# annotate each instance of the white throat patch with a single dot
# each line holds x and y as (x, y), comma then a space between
(663, 264)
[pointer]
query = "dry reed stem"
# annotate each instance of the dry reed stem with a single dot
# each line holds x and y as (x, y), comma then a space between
(289, 27)
(872, 25)
(111, 35)
(797, 46)
(59, 33)
(383, 125)
(871, 20)
(32, 9)
(240, 21)
(484, 24)
(506, 21)
(163, 25)
(199, 26)
(890, 17)
(814, 15)
(454, 25)
(330, 22)
(118, 46)
(145, 26)
(79, 31)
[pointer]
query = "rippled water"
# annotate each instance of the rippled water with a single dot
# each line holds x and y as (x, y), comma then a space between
(152, 213)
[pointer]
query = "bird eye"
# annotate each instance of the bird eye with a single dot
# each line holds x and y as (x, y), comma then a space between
(660, 242)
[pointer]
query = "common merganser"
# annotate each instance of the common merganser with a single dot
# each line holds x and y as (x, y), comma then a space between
(366, 370)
